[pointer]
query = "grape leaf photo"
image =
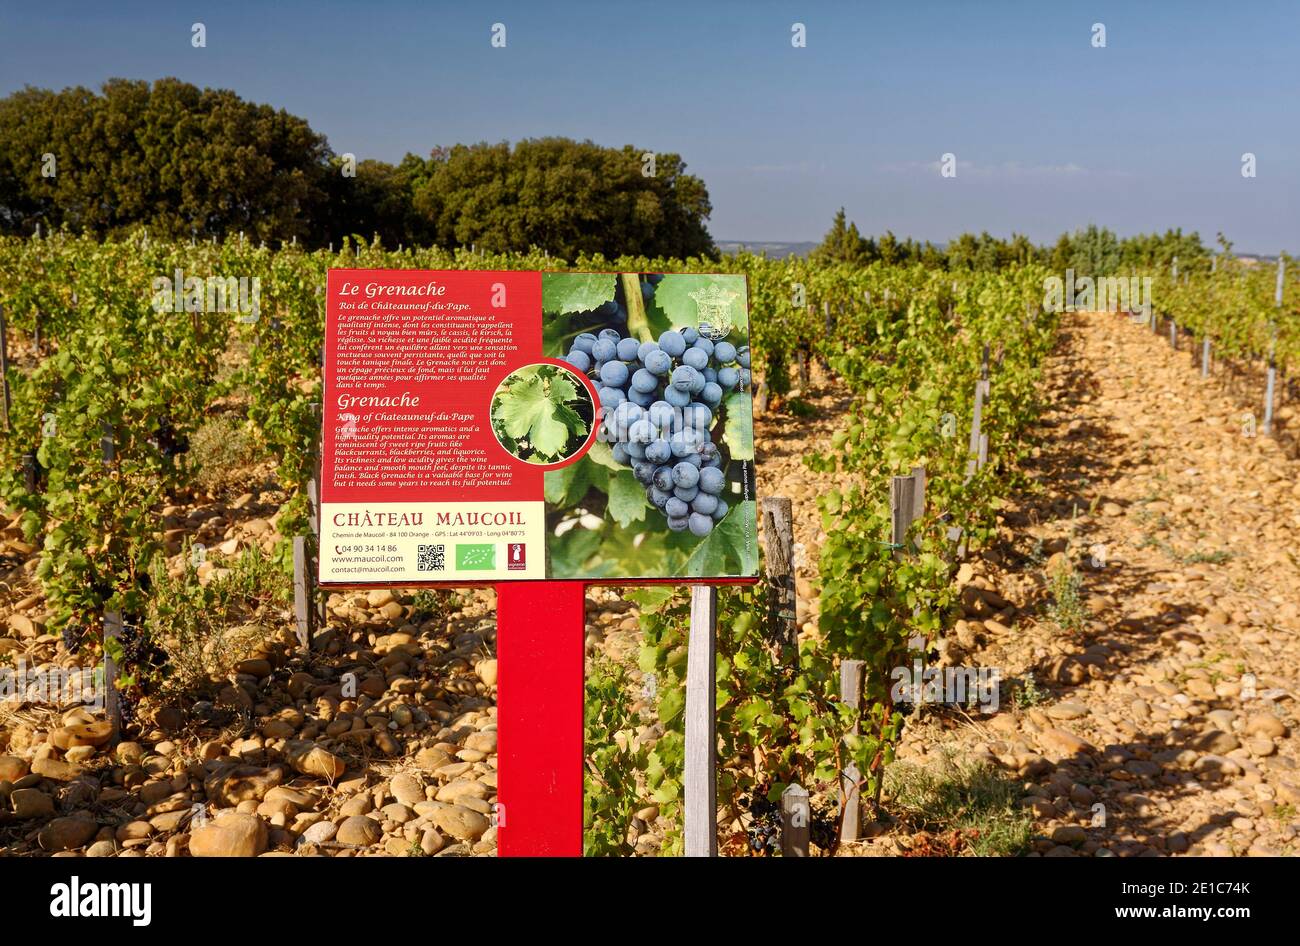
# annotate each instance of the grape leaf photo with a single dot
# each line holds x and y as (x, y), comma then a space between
(541, 415)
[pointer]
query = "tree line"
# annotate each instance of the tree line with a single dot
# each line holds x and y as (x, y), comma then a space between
(196, 163)
(1090, 250)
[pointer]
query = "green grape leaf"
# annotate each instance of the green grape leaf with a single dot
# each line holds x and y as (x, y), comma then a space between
(738, 432)
(569, 553)
(671, 705)
(563, 293)
(603, 454)
(730, 549)
(532, 406)
(569, 417)
(679, 309)
(626, 498)
(563, 387)
(568, 484)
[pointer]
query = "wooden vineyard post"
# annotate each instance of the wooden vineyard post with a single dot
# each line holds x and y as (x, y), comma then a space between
(978, 445)
(701, 788)
(1173, 334)
(313, 500)
(308, 605)
(4, 369)
(1205, 357)
(112, 699)
(826, 318)
(302, 609)
(796, 818)
(1269, 385)
(906, 505)
(778, 542)
(981, 392)
(29, 471)
(112, 619)
(540, 632)
(850, 793)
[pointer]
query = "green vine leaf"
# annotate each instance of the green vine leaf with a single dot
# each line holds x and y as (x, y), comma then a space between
(563, 293)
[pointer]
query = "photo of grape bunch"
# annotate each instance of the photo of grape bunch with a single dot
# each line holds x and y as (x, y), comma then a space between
(658, 400)
(542, 414)
(666, 489)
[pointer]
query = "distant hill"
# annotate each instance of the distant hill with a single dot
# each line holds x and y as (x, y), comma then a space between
(773, 250)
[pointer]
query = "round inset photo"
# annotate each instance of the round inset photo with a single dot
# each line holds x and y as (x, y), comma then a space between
(543, 414)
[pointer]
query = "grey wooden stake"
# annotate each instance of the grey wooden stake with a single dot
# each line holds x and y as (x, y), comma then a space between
(850, 794)
(4, 369)
(1281, 277)
(106, 446)
(796, 814)
(29, 471)
(112, 700)
(1173, 334)
(982, 390)
(701, 788)
(308, 603)
(984, 451)
(313, 506)
(1268, 396)
(778, 543)
(302, 609)
(1205, 357)
(906, 505)
(826, 317)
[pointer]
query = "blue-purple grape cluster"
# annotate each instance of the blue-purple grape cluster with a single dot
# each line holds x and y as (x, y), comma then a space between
(660, 401)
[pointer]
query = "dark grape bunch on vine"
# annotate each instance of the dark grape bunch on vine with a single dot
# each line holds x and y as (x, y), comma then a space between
(71, 635)
(764, 829)
(137, 656)
(660, 401)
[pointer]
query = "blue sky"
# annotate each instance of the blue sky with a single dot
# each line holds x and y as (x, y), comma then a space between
(1049, 132)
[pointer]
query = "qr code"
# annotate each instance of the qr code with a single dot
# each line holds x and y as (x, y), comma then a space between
(433, 558)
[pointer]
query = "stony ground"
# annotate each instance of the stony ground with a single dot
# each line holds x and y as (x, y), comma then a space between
(1144, 593)
(1159, 712)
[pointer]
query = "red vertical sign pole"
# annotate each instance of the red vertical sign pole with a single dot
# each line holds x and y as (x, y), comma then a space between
(541, 630)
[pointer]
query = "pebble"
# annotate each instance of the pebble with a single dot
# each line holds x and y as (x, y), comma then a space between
(359, 830)
(320, 832)
(406, 789)
(229, 834)
(31, 803)
(64, 834)
(1068, 710)
(460, 823)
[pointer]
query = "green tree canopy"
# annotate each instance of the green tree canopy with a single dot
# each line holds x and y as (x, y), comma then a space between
(186, 161)
(178, 159)
(565, 196)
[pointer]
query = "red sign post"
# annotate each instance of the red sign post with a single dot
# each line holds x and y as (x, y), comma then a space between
(540, 635)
